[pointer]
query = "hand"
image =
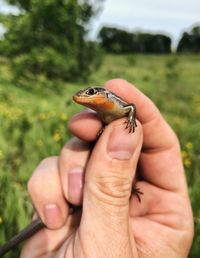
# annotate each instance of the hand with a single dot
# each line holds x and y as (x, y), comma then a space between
(111, 223)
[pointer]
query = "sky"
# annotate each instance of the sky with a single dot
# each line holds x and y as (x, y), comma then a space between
(171, 17)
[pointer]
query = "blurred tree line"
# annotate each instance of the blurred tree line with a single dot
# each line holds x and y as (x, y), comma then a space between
(119, 41)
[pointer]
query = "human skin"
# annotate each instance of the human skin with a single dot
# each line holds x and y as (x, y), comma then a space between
(111, 223)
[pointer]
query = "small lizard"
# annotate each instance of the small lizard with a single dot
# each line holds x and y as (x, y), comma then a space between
(108, 105)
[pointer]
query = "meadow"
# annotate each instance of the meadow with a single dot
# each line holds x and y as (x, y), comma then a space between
(33, 125)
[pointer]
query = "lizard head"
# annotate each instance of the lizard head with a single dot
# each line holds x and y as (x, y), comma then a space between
(90, 95)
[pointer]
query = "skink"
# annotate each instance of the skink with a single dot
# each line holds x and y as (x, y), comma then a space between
(108, 105)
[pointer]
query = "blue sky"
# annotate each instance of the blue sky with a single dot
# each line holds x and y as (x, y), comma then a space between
(169, 16)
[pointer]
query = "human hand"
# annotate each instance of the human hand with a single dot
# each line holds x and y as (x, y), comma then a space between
(111, 224)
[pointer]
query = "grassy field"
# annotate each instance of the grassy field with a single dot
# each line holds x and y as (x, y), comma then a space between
(33, 126)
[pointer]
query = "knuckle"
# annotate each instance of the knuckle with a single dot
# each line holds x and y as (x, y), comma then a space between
(112, 188)
(35, 182)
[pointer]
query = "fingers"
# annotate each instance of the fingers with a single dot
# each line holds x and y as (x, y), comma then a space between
(46, 192)
(58, 181)
(72, 162)
(55, 183)
(108, 182)
(85, 125)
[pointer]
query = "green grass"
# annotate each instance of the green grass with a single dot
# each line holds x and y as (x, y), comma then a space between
(33, 126)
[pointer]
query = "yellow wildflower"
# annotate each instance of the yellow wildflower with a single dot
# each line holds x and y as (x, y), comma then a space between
(1, 220)
(57, 136)
(12, 113)
(184, 154)
(63, 116)
(189, 145)
(42, 116)
(187, 163)
(39, 143)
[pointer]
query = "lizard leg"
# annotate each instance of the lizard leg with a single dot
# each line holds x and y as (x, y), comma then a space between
(137, 192)
(131, 120)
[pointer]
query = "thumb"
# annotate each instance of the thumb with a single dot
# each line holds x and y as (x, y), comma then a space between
(108, 182)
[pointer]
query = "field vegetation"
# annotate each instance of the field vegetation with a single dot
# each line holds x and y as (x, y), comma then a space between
(33, 125)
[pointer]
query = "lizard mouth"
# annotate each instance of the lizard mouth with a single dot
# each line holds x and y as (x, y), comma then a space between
(79, 99)
(75, 98)
(83, 99)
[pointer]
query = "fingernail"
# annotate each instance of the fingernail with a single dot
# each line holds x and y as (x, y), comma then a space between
(121, 144)
(75, 183)
(52, 216)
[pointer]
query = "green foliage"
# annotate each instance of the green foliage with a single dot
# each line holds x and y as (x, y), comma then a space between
(33, 126)
(119, 41)
(172, 71)
(48, 38)
(190, 41)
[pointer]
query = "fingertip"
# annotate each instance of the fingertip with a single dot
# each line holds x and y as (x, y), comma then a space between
(115, 82)
(54, 218)
(120, 86)
(85, 125)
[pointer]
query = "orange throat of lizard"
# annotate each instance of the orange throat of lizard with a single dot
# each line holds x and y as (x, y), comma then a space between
(94, 102)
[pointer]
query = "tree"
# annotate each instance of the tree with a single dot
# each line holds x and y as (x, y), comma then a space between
(48, 38)
(190, 41)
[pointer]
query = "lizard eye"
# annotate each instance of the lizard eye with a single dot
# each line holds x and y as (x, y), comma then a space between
(91, 91)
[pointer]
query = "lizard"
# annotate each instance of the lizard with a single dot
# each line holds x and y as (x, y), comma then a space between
(108, 105)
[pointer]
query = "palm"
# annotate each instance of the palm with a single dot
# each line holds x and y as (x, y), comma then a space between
(154, 225)
(158, 222)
